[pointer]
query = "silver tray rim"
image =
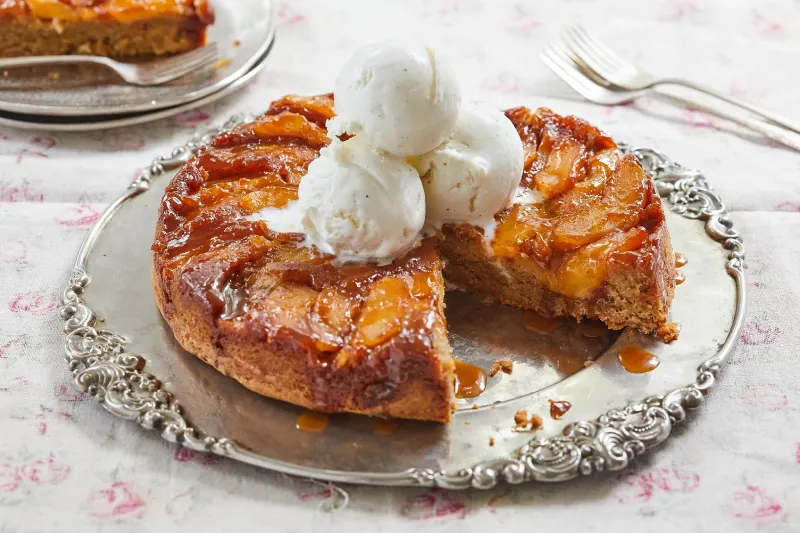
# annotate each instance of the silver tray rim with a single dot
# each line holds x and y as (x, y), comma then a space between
(143, 118)
(116, 379)
(169, 103)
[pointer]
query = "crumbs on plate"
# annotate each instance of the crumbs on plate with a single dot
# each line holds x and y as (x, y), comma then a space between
(524, 423)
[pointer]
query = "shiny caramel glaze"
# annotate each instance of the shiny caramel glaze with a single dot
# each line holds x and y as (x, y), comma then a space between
(680, 277)
(470, 380)
(680, 260)
(636, 360)
(312, 422)
(120, 10)
(361, 327)
(559, 408)
(600, 205)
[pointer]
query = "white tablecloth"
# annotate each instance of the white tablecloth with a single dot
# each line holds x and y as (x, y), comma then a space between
(65, 465)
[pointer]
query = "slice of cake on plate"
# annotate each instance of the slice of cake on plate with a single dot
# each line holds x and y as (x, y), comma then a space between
(115, 28)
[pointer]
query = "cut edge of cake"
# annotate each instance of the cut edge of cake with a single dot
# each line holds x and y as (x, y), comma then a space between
(277, 365)
(637, 297)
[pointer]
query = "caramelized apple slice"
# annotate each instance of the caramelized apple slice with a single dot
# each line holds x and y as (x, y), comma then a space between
(328, 321)
(381, 318)
(335, 310)
(423, 285)
(624, 196)
(291, 301)
(601, 168)
(565, 166)
(290, 253)
(292, 306)
(270, 196)
(49, 10)
(276, 164)
(318, 109)
(285, 125)
(583, 270)
(525, 228)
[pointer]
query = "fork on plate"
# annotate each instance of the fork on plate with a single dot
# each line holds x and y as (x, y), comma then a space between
(569, 61)
(155, 72)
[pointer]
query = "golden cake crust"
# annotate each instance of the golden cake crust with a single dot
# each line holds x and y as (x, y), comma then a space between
(288, 323)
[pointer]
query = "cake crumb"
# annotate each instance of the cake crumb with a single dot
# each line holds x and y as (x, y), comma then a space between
(53, 75)
(5, 73)
(491, 441)
(524, 423)
(237, 43)
(588, 363)
(669, 332)
(466, 422)
(506, 365)
(222, 63)
(474, 406)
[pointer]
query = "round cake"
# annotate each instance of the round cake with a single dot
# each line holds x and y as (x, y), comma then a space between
(293, 324)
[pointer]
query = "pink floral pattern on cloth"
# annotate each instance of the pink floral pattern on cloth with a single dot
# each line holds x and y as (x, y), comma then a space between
(65, 465)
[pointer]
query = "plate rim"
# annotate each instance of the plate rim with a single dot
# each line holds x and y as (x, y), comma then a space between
(117, 379)
(244, 69)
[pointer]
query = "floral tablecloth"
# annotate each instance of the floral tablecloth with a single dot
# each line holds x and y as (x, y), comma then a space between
(65, 465)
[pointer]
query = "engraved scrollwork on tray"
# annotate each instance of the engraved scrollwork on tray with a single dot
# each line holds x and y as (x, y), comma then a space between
(117, 379)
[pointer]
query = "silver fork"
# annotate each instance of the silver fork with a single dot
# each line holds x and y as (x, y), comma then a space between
(612, 67)
(155, 72)
(588, 84)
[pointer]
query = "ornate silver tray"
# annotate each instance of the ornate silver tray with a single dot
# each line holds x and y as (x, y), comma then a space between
(123, 354)
(243, 31)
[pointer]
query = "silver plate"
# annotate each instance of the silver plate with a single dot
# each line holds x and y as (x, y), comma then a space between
(130, 362)
(89, 90)
(33, 122)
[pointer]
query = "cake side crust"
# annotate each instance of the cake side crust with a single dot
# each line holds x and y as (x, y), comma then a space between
(637, 292)
(393, 382)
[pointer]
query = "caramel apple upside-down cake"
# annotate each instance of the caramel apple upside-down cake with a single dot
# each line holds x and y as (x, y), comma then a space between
(116, 28)
(305, 254)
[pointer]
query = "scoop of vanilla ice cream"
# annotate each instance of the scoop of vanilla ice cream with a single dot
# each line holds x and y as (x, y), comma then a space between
(400, 95)
(360, 203)
(475, 172)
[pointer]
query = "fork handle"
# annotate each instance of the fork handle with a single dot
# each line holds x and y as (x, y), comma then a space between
(35, 61)
(774, 133)
(766, 114)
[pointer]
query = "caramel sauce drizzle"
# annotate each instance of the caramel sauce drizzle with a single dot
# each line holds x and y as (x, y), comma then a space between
(559, 409)
(680, 277)
(315, 422)
(470, 380)
(680, 260)
(637, 361)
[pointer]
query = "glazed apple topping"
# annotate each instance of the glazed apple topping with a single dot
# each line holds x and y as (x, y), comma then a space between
(599, 206)
(598, 203)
